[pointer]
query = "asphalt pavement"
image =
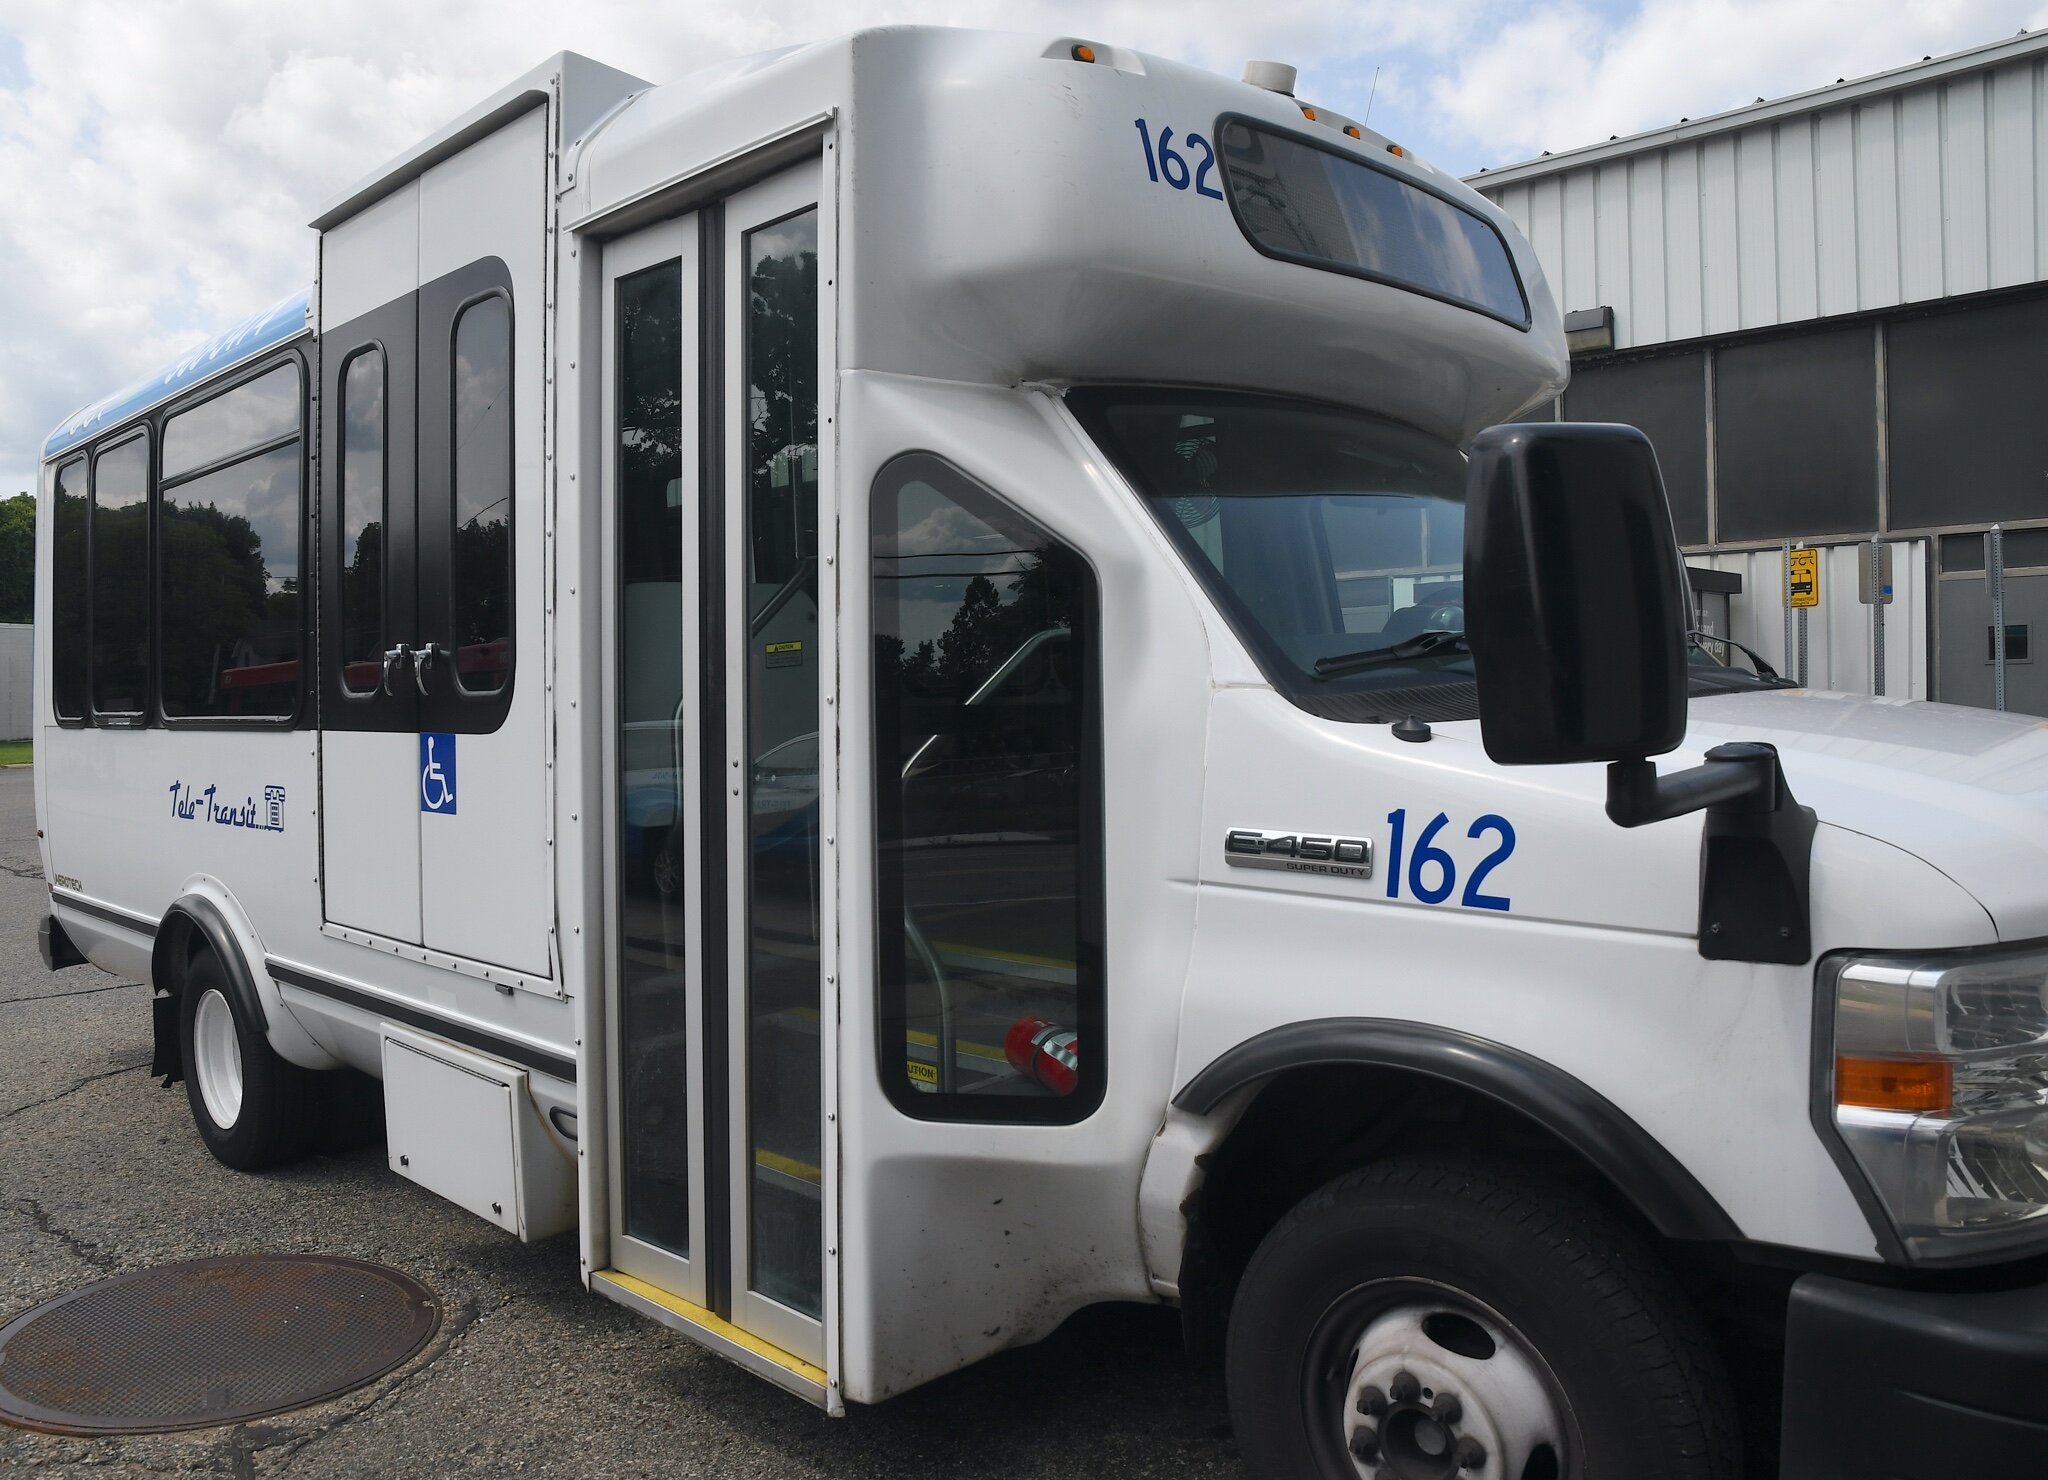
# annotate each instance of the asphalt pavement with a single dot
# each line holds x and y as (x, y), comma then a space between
(101, 1173)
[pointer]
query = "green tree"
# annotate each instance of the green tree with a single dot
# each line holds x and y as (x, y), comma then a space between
(18, 558)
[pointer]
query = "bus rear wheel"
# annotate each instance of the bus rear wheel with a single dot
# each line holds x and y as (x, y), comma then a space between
(253, 1109)
(1440, 1320)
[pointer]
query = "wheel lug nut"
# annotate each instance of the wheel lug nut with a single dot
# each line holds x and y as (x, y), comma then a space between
(1372, 1402)
(1447, 1409)
(1471, 1453)
(1404, 1388)
(1365, 1446)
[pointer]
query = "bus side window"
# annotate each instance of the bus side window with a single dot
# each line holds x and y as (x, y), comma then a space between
(989, 816)
(364, 518)
(120, 580)
(231, 506)
(68, 657)
(481, 551)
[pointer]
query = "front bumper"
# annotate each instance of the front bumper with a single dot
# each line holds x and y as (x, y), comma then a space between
(1914, 1385)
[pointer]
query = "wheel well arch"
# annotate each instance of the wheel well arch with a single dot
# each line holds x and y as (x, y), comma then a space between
(1335, 1094)
(193, 924)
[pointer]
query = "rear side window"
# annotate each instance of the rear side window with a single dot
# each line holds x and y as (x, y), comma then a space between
(363, 521)
(120, 579)
(1305, 203)
(988, 805)
(68, 660)
(228, 554)
(482, 577)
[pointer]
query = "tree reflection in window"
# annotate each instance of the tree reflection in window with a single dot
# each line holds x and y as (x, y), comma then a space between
(482, 556)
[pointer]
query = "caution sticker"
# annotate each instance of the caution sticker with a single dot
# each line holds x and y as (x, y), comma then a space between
(923, 1073)
(1802, 577)
(784, 654)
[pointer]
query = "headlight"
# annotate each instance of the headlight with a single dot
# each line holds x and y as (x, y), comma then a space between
(1938, 1088)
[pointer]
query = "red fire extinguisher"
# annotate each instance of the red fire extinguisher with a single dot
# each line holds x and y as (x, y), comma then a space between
(1045, 1052)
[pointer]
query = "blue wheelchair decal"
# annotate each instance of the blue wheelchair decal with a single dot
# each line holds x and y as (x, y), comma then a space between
(437, 774)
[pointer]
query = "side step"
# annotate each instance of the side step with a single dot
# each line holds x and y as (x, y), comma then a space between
(792, 1374)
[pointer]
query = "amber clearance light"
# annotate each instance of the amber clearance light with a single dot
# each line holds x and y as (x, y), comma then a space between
(1894, 1084)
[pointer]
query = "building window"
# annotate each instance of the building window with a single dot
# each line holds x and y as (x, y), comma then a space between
(229, 521)
(120, 580)
(988, 785)
(68, 656)
(1666, 399)
(1963, 403)
(481, 579)
(364, 520)
(1795, 449)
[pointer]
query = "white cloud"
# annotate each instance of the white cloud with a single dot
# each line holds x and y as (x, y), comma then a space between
(158, 161)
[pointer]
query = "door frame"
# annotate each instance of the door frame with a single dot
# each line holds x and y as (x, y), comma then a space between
(713, 1280)
(676, 239)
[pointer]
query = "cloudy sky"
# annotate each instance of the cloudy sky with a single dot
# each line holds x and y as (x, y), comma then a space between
(159, 158)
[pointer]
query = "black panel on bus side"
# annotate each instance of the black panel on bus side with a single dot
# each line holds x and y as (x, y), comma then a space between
(368, 565)
(465, 527)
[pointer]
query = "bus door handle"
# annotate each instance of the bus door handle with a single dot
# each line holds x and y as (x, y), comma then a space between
(423, 659)
(392, 658)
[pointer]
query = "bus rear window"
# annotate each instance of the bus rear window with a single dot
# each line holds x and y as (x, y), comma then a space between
(1301, 202)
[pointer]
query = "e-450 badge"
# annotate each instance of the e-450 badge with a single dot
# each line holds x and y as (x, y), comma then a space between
(1301, 853)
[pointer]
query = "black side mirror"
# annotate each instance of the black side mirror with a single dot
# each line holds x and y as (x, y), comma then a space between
(1577, 613)
(1576, 604)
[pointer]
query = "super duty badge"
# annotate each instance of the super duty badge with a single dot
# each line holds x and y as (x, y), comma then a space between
(1301, 853)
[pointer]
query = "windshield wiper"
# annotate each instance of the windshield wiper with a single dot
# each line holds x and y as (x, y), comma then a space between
(1421, 645)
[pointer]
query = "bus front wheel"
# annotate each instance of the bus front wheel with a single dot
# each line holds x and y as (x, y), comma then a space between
(1450, 1320)
(253, 1109)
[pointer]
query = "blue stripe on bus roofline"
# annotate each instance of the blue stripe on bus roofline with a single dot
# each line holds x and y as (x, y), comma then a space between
(251, 337)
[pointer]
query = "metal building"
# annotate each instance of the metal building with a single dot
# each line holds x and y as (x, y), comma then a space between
(1830, 314)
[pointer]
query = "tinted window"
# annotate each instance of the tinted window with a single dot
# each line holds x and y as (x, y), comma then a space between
(1332, 540)
(1665, 399)
(120, 579)
(1963, 402)
(654, 1032)
(988, 775)
(67, 592)
(1796, 436)
(252, 416)
(482, 575)
(1313, 205)
(228, 544)
(784, 1113)
(363, 521)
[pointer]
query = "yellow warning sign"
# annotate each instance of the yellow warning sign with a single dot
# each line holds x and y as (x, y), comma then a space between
(924, 1073)
(1802, 578)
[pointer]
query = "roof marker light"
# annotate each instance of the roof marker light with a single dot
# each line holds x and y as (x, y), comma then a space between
(1308, 113)
(1397, 151)
(1083, 52)
(1352, 130)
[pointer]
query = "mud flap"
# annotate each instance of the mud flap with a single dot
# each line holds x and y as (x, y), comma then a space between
(165, 1060)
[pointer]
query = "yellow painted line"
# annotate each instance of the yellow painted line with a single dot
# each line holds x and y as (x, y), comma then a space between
(1018, 956)
(697, 1315)
(978, 1050)
(789, 1166)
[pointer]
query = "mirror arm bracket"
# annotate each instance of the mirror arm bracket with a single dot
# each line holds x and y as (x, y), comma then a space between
(1756, 849)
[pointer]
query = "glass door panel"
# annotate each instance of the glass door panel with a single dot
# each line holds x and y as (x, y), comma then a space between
(658, 1184)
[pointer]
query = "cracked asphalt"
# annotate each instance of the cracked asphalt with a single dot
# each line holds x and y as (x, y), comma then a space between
(101, 1173)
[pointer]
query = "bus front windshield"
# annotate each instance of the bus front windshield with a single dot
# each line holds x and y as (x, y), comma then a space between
(1333, 540)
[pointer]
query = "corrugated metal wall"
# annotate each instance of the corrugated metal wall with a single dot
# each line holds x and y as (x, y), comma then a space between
(1937, 190)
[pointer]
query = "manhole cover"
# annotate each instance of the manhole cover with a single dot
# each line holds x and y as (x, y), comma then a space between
(188, 1346)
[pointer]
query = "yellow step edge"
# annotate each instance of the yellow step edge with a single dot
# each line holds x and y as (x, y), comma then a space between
(725, 1330)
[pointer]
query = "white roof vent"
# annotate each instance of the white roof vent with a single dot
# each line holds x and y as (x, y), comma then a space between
(1272, 76)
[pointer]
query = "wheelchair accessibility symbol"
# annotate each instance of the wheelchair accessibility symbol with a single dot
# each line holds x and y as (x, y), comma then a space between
(437, 774)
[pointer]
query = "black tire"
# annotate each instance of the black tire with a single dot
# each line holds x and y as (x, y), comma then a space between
(1643, 1396)
(283, 1107)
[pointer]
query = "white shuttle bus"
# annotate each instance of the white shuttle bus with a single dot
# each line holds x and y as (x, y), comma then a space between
(924, 680)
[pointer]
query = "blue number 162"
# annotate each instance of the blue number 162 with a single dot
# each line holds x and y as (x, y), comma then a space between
(1164, 162)
(1432, 873)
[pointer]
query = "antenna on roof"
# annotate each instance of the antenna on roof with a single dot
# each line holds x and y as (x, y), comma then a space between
(1371, 95)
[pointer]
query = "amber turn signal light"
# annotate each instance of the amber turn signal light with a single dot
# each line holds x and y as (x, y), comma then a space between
(1894, 1084)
